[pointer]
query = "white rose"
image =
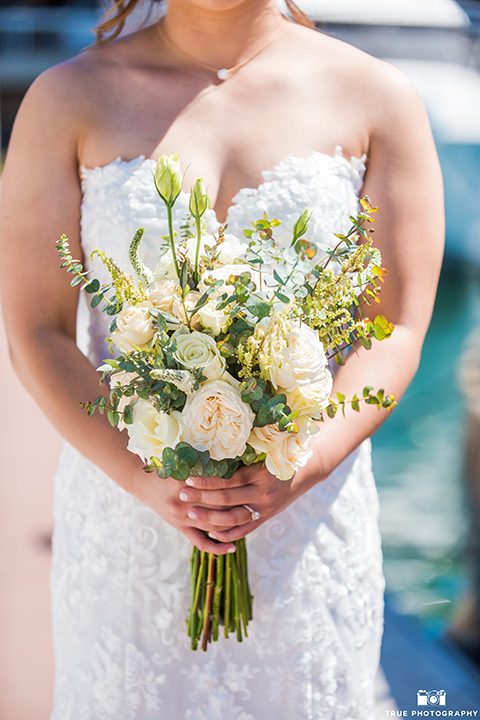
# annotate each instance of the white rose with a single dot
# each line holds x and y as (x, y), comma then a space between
(198, 350)
(216, 419)
(310, 399)
(224, 272)
(192, 246)
(286, 451)
(301, 362)
(162, 293)
(165, 267)
(134, 327)
(217, 321)
(152, 431)
(230, 250)
(122, 379)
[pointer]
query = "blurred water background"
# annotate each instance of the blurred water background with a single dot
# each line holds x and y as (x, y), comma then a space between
(419, 463)
(419, 454)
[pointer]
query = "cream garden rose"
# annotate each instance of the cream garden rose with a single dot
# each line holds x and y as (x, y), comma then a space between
(286, 451)
(134, 327)
(198, 350)
(162, 293)
(191, 300)
(310, 399)
(153, 431)
(216, 419)
(301, 361)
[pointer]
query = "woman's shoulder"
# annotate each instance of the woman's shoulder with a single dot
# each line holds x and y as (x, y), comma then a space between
(65, 90)
(73, 94)
(352, 68)
(379, 93)
(86, 77)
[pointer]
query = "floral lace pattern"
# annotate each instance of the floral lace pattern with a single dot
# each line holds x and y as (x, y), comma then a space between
(120, 574)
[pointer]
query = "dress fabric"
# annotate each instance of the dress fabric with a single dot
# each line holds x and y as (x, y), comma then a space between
(120, 574)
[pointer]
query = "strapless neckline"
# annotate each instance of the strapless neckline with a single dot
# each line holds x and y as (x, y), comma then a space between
(283, 167)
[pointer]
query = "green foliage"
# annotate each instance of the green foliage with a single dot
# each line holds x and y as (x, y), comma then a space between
(142, 271)
(369, 397)
(92, 287)
(268, 408)
(126, 289)
(184, 461)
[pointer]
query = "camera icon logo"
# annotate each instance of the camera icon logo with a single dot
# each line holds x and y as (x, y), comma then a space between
(433, 698)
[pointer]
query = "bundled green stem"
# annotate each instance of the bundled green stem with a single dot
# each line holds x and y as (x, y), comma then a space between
(220, 596)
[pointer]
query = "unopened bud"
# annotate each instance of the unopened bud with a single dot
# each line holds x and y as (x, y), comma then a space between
(168, 178)
(301, 226)
(198, 199)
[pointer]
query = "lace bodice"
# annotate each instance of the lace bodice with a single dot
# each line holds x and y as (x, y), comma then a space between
(120, 197)
(120, 574)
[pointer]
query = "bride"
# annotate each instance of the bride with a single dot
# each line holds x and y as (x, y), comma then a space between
(295, 118)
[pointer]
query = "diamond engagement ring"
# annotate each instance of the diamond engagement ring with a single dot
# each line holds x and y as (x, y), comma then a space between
(254, 514)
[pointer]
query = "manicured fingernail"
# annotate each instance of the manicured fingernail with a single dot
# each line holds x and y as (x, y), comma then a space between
(232, 549)
(189, 481)
(192, 514)
(212, 535)
(184, 495)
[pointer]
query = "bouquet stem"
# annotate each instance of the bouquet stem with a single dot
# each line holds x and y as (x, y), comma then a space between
(220, 596)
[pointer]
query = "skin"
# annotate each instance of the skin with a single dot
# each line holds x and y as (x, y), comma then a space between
(136, 96)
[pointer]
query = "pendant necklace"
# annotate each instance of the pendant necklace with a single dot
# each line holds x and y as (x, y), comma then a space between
(222, 73)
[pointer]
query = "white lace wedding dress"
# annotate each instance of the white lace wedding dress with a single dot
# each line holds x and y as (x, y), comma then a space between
(120, 575)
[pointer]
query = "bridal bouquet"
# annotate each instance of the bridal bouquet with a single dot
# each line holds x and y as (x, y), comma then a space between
(223, 358)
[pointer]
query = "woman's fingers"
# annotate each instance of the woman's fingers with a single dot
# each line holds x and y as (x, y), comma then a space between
(236, 533)
(214, 520)
(239, 479)
(226, 497)
(202, 542)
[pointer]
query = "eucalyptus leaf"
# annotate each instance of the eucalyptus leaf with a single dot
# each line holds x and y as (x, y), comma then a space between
(128, 415)
(113, 417)
(170, 459)
(187, 453)
(258, 308)
(92, 286)
(182, 471)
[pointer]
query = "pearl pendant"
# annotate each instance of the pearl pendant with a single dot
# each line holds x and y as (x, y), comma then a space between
(223, 74)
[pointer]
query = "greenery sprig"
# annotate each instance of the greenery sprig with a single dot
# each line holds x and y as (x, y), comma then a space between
(92, 287)
(369, 397)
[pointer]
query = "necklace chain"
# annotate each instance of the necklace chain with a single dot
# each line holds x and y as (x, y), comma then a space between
(222, 73)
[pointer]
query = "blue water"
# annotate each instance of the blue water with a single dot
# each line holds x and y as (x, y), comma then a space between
(418, 457)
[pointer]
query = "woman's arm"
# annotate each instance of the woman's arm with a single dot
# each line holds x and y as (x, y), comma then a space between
(40, 200)
(404, 181)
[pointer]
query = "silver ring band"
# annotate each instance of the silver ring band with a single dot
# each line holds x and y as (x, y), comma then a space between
(254, 514)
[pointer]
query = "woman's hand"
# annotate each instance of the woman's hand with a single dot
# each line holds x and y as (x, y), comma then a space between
(216, 505)
(163, 496)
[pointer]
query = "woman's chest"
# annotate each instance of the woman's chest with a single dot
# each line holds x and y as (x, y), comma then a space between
(227, 134)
